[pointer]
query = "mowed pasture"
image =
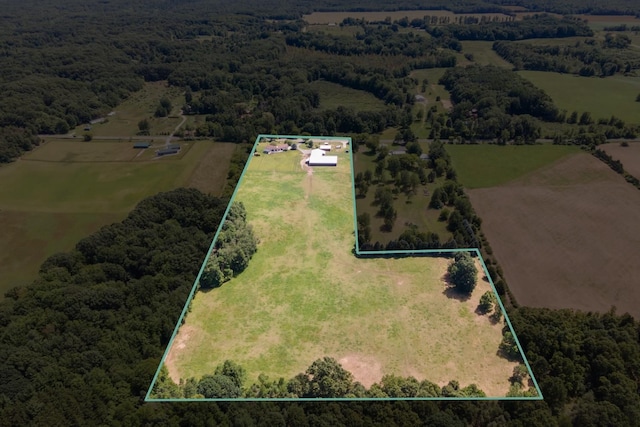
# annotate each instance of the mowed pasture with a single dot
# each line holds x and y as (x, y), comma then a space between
(602, 97)
(325, 18)
(566, 236)
(333, 95)
(65, 190)
(488, 165)
(305, 295)
(628, 156)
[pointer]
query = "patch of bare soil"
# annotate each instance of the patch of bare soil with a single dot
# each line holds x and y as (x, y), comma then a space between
(628, 156)
(365, 369)
(567, 236)
(178, 345)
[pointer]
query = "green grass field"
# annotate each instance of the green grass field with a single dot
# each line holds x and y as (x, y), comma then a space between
(67, 189)
(602, 97)
(483, 54)
(333, 95)
(484, 165)
(140, 105)
(304, 296)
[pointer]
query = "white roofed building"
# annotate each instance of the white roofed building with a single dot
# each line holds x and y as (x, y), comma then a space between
(318, 157)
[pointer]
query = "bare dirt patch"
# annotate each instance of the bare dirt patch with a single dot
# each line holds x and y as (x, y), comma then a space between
(365, 369)
(629, 156)
(180, 342)
(566, 236)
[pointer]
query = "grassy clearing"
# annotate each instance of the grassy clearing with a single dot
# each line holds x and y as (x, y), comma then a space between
(55, 199)
(141, 105)
(485, 165)
(305, 296)
(483, 54)
(602, 97)
(333, 95)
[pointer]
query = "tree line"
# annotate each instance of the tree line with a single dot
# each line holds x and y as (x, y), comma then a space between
(534, 26)
(588, 58)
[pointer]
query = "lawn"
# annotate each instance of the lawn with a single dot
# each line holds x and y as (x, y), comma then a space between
(67, 189)
(602, 97)
(487, 165)
(333, 95)
(304, 296)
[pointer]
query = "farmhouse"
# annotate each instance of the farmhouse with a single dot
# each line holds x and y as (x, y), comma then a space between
(276, 149)
(318, 157)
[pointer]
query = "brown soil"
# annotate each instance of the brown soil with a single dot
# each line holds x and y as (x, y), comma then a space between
(567, 236)
(179, 343)
(629, 156)
(365, 369)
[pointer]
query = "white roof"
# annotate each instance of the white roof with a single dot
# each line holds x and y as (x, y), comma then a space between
(318, 158)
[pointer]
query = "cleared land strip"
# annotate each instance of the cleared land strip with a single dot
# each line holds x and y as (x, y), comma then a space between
(305, 296)
(566, 236)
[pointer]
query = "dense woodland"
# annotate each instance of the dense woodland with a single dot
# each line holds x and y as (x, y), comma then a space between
(81, 344)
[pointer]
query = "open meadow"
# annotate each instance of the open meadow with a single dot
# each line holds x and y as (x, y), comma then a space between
(629, 156)
(483, 53)
(67, 189)
(305, 295)
(141, 105)
(488, 165)
(566, 235)
(602, 97)
(333, 95)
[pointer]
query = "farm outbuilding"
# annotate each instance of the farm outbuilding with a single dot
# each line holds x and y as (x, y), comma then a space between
(325, 147)
(142, 145)
(167, 151)
(318, 157)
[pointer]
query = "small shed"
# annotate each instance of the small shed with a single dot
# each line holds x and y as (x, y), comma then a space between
(325, 147)
(142, 144)
(167, 151)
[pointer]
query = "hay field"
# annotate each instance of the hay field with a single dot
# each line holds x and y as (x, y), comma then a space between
(305, 296)
(566, 236)
(629, 156)
(602, 97)
(65, 190)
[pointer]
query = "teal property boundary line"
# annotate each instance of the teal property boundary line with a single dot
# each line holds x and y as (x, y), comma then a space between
(358, 253)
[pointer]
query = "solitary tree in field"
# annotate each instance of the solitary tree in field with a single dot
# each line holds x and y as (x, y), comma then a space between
(463, 273)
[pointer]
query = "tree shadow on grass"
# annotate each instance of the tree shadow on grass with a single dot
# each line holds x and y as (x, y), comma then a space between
(451, 292)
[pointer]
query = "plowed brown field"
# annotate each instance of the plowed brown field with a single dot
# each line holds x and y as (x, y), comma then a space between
(629, 156)
(567, 236)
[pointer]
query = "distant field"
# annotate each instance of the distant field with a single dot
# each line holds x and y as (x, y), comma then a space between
(140, 105)
(602, 97)
(566, 236)
(629, 156)
(333, 95)
(598, 22)
(485, 165)
(338, 17)
(54, 201)
(483, 54)
(305, 296)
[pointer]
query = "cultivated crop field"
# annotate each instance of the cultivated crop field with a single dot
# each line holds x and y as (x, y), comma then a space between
(566, 235)
(487, 165)
(67, 189)
(602, 97)
(629, 156)
(305, 295)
